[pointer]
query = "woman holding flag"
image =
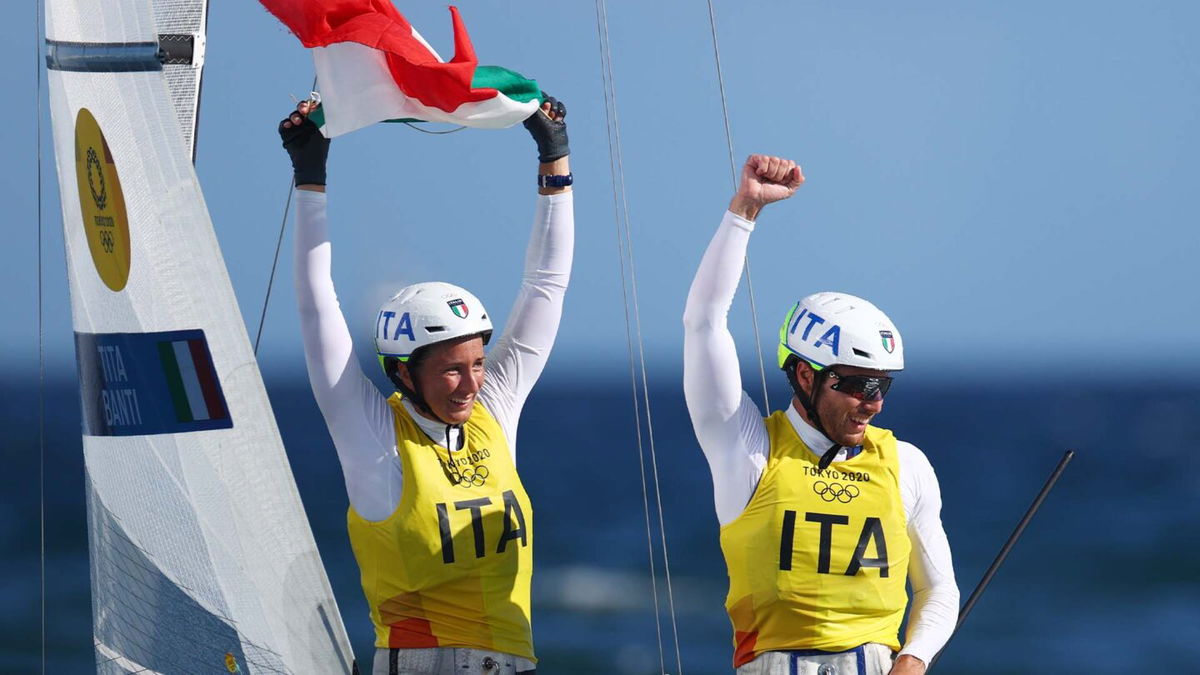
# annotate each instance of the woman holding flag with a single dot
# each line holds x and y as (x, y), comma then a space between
(439, 521)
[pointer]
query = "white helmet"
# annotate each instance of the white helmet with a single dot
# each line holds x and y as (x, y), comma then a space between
(424, 314)
(829, 329)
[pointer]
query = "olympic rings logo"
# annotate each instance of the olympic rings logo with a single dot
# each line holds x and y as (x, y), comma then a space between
(835, 491)
(100, 196)
(473, 478)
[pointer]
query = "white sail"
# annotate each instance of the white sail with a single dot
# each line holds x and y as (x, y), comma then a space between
(201, 557)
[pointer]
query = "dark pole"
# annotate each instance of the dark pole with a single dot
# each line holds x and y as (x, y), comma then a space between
(1008, 545)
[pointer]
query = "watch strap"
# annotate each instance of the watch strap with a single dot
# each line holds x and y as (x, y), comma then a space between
(552, 181)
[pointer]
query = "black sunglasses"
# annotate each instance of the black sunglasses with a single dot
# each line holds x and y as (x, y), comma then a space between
(861, 387)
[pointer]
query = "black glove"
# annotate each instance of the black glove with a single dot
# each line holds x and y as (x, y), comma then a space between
(307, 148)
(550, 135)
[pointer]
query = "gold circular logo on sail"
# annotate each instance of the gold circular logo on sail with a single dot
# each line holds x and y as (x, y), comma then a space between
(101, 202)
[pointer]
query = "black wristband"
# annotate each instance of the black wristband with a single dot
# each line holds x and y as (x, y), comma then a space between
(545, 181)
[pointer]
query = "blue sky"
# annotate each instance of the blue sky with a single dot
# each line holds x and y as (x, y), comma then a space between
(1014, 183)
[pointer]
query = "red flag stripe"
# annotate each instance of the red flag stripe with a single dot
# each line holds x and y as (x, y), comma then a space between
(379, 25)
(208, 380)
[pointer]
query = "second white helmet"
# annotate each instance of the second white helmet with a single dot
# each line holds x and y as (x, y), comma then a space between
(428, 313)
(828, 329)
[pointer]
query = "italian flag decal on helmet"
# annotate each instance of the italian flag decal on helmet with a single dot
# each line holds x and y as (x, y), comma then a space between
(460, 308)
(889, 342)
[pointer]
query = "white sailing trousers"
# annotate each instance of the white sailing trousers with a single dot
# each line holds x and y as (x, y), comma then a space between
(449, 661)
(869, 659)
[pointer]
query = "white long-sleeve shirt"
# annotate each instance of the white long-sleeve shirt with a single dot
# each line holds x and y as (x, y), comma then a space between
(733, 436)
(357, 414)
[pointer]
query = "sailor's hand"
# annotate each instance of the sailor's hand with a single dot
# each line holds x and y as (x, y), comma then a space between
(765, 179)
(306, 146)
(908, 665)
(549, 129)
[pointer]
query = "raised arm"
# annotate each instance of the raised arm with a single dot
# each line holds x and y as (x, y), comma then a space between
(355, 412)
(728, 425)
(516, 360)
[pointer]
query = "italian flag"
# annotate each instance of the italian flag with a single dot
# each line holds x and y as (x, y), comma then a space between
(373, 66)
(191, 380)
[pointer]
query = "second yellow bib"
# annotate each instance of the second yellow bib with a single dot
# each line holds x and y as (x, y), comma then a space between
(818, 559)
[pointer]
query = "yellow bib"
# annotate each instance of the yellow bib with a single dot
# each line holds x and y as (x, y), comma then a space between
(451, 567)
(818, 559)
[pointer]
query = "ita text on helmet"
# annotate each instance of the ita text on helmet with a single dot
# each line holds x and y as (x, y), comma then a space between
(829, 329)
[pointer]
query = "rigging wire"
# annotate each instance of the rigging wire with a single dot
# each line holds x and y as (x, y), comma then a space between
(37, 47)
(629, 341)
(762, 373)
(633, 379)
(625, 250)
(287, 207)
(262, 319)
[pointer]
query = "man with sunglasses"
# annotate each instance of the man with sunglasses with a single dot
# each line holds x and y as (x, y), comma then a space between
(823, 516)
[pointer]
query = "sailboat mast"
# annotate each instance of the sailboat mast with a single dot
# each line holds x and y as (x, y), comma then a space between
(182, 37)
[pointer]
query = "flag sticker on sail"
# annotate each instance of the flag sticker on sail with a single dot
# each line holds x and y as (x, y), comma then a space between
(101, 202)
(192, 380)
(137, 384)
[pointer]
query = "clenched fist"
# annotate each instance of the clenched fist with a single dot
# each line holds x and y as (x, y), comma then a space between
(765, 179)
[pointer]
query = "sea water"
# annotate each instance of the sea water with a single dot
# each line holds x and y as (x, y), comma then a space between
(1105, 580)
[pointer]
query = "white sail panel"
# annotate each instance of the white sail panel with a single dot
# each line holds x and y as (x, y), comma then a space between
(201, 556)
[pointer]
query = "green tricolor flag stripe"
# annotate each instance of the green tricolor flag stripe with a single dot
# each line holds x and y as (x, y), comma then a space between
(509, 83)
(318, 117)
(188, 372)
(166, 352)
